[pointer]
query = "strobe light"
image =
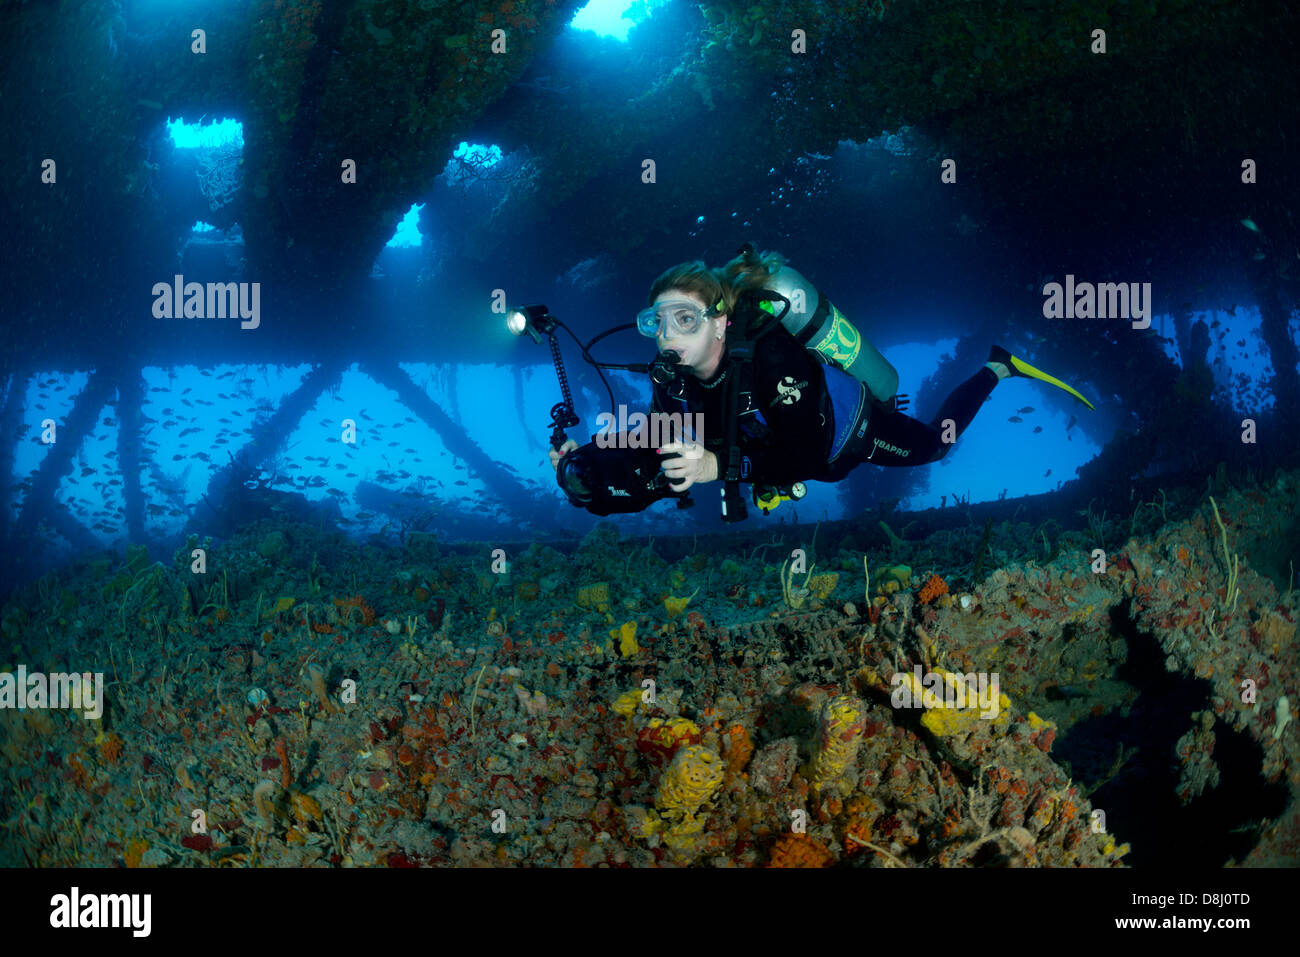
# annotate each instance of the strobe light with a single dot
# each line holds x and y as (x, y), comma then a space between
(535, 320)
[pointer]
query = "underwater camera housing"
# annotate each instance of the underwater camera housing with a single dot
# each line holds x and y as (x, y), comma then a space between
(606, 481)
(602, 480)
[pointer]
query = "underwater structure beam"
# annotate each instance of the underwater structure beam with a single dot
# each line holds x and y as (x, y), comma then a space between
(1275, 328)
(344, 85)
(269, 438)
(130, 398)
(10, 424)
(518, 376)
(453, 435)
(453, 391)
(57, 463)
(78, 536)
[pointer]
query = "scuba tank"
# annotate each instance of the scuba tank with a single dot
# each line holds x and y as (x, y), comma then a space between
(818, 326)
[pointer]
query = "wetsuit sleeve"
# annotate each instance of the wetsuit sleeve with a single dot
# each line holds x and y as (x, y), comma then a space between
(790, 390)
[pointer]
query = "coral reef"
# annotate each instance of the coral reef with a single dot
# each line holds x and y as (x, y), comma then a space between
(740, 732)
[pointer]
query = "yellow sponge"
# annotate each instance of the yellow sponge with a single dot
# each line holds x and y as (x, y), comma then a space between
(625, 635)
(689, 782)
(628, 702)
(822, 585)
(675, 606)
(843, 722)
(595, 597)
(1037, 723)
(942, 719)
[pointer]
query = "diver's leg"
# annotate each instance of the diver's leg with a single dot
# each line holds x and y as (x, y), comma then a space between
(896, 439)
(962, 404)
(893, 439)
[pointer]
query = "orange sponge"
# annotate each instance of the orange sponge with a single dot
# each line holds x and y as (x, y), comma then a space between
(800, 850)
(932, 589)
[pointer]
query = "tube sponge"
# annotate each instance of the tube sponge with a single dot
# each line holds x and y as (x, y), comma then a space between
(264, 801)
(843, 721)
(689, 782)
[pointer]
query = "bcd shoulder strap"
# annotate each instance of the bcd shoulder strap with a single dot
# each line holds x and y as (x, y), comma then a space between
(754, 317)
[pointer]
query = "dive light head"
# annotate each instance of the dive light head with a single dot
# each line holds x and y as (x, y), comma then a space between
(536, 320)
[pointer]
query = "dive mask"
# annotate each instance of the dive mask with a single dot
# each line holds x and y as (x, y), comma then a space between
(678, 317)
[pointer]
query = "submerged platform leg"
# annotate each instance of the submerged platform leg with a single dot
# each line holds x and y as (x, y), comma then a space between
(57, 464)
(130, 398)
(498, 480)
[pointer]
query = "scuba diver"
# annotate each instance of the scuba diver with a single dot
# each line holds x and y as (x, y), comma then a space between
(788, 389)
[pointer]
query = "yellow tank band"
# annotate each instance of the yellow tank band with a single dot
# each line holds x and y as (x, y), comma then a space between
(841, 343)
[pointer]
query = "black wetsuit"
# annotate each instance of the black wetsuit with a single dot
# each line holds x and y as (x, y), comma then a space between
(788, 409)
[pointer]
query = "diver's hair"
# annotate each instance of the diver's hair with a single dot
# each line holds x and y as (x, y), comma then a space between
(693, 277)
(749, 270)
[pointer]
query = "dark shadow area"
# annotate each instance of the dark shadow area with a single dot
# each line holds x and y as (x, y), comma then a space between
(1141, 801)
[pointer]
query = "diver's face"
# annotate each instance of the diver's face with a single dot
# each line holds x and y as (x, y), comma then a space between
(698, 350)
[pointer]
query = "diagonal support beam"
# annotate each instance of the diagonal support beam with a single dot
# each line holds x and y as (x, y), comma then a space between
(130, 398)
(268, 439)
(78, 536)
(500, 482)
(11, 418)
(79, 423)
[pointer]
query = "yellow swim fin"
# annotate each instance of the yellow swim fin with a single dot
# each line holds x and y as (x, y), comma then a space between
(1022, 368)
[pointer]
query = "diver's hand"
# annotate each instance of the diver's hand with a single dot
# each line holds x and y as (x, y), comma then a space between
(688, 463)
(555, 455)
